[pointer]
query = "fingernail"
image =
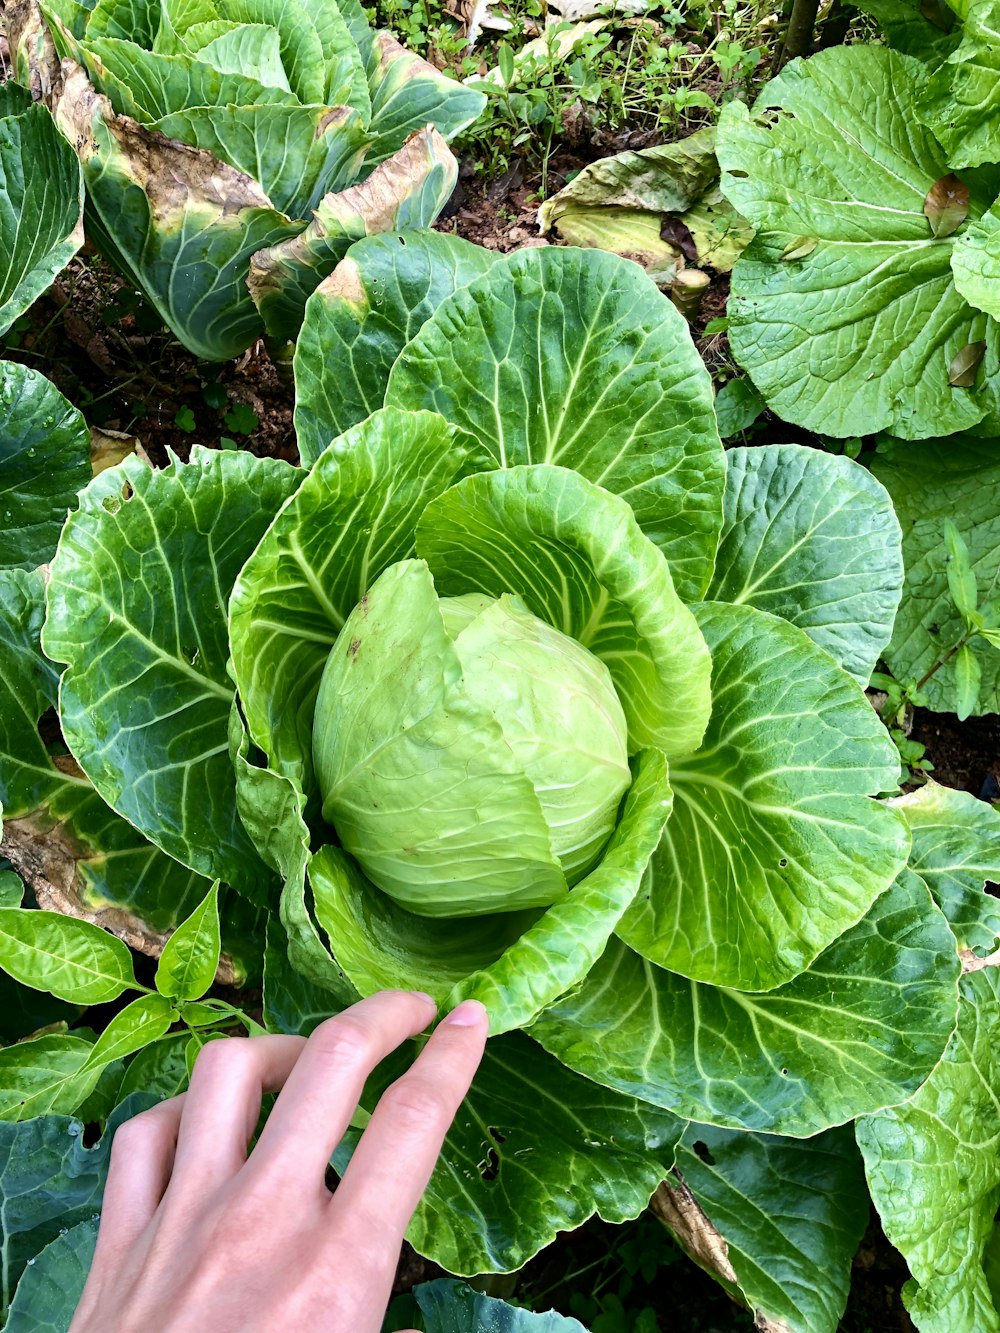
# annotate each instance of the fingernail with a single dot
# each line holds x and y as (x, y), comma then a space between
(422, 995)
(467, 1015)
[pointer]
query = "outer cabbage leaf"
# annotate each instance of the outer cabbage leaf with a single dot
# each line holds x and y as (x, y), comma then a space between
(361, 317)
(956, 849)
(580, 561)
(409, 93)
(534, 1150)
(452, 1307)
(859, 1030)
(353, 516)
(790, 1214)
(961, 102)
(570, 357)
(908, 29)
(182, 224)
(50, 1290)
(813, 538)
(860, 333)
(516, 963)
(929, 483)
(774, 848)
(934, 1171)
(976, 261)
(44, 461)
(408, 189)
(41, 202)
(136, 608)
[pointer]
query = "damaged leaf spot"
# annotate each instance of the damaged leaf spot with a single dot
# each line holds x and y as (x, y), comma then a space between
(965, 364)
(947, 205)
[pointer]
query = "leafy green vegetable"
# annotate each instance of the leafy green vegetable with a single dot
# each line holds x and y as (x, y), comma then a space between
(452, 1307)
(961, 103)
(48, 1294)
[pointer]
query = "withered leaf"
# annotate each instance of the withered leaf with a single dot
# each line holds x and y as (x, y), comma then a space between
(965, 363)
(678, 233)
(799, 247)
(947, 205)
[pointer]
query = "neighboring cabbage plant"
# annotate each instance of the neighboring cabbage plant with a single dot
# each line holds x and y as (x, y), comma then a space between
(233, 149)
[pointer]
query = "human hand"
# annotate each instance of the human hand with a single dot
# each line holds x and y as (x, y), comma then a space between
(198, 1235)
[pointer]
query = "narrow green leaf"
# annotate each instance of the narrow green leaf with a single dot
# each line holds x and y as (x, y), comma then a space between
(961, 575)
(139, 1024)
(968, 679)
(190, 956)
(70, 959)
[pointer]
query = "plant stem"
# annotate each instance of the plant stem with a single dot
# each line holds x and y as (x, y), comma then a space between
(947, 658)
(799, 35)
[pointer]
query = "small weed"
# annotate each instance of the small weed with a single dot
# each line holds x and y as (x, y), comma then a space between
(241, 419)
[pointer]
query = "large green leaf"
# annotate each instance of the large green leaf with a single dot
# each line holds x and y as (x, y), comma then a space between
(813, 538)
(956, 849)
(407, 190)
(136, 20)
(408, 93)
(50, 1289)
(297, 153)
(41, 202)
(44, 461)
(934, 1171)
(858, 333)
(182, 224)
(534, 1150)
(929, 32)
(516, 963)
(354, 515)
(70, 959)
(452, 1307)
(791, 1215)
(774, 848)
(976, 262)
(930, 483)
(961, 103)
(302, 50)
(45, 1076)
(137, 609)
(361, 317)
(580, 561)
(860, 1030)
(570, 357)
(48, 1181)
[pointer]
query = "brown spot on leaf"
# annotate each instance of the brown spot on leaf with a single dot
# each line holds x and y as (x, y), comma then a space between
(355, 645)
(947, 205)
(964, 364)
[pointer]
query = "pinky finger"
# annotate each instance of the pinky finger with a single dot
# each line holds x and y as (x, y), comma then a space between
(142, 1157)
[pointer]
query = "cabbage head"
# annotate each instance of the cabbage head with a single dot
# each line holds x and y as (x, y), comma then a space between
(232, 150)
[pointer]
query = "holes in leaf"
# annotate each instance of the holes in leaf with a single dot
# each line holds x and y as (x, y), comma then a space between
(701, 1150)
(740, 175)
(489, 1167)
(783, 862)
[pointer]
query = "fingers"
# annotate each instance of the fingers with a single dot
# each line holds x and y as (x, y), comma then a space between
(320, 1096)
(223, 1104)
(394, 1160)
(142, 1156)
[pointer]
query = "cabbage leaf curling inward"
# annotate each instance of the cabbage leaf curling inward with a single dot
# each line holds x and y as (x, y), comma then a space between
(507, 733)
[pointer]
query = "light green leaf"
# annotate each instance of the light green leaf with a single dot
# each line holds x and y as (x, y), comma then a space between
(859, 1030)
(628, 232)
(253, 49)
(360, 318)
(859, 336)
(813, 538)
(774, 848)
(190, 957)
(297, 153)
(48, 1181)
(11, 890)
(791, 1215)
(928, 31)
(407, 190)
(70, 959)
(570, 357)
(188, 247)
(534, 1150)
(928, 484)
(139, 1024)
(302, 53)
(44, 461)
(50, 1291)
(45, 1076)
(975, 262)
(956, 849)
(41, 203)
(516, 963)
(452, 1307)
(934, 1171)
(968, 680)
(136, 20)
(137, 608)
(961, 102)
(961, 575)
(408, 93)
(318, 560)
(578, 558)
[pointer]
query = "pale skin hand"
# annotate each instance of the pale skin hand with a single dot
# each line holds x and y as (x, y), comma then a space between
(198, 1235)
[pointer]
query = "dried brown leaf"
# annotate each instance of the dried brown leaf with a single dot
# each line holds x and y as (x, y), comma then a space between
(947, 205)
(964, 364)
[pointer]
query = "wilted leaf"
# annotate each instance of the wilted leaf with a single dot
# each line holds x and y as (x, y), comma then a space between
(947, 205)
(799, 247)
(964, 365)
